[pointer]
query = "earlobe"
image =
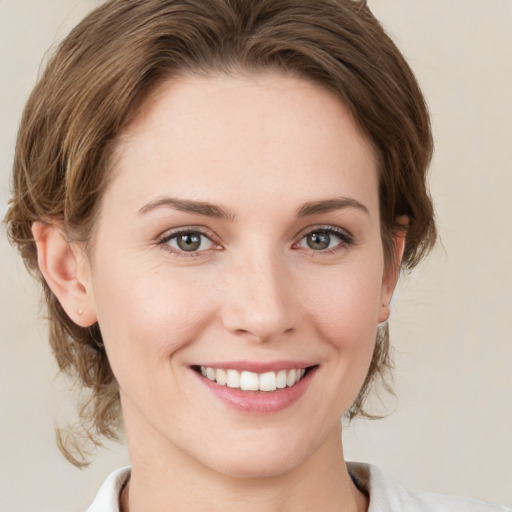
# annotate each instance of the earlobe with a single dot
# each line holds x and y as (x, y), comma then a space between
(391, 274)
(65, 270)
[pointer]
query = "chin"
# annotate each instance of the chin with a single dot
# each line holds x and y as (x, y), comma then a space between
(261, 467)
(265, 459)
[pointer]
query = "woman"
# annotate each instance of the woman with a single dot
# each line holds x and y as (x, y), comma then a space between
(218, 198)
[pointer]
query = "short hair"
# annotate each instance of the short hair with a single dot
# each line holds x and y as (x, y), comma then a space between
(97, 81)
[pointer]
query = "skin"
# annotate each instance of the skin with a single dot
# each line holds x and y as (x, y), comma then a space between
(260, 148)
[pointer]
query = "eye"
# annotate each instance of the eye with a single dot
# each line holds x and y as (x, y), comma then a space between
(324, 239)
(188, 241)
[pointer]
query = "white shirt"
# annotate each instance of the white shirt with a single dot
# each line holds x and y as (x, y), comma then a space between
(385, 494)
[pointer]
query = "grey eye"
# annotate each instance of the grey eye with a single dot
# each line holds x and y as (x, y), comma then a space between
(190, 241)
(318, 241)
(322, 239)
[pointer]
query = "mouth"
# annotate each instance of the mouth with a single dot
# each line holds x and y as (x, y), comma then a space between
(254, 388)
(244, 380)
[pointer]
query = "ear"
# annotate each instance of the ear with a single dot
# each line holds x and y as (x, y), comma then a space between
(392, 272)
(66, 270)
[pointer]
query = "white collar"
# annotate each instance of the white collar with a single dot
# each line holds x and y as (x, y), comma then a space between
(107, 499)
(385, 494)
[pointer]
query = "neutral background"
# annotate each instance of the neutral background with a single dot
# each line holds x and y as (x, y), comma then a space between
(450, 428)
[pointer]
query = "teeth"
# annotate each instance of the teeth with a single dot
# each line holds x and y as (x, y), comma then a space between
(268, 381)
(250, 381)
(290, 378)
(222, 378)
(233, 380)
(281, 379)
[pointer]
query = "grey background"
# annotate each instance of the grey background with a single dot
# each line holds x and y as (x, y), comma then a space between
(450, 425)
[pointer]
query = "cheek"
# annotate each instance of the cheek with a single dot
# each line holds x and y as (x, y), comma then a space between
(146, 316)
(346, 306)
(344, 316)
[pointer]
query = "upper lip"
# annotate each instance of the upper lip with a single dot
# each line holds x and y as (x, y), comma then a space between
(258, 367)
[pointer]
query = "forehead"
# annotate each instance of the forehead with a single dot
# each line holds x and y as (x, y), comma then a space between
(243, 136)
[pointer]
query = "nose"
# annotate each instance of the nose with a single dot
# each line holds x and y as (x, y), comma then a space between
(259, 299)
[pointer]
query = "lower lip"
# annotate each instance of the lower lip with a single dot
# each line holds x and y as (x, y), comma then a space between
(259, 402)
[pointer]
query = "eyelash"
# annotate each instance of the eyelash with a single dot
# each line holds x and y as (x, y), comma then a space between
(344, 237)
(168, 236)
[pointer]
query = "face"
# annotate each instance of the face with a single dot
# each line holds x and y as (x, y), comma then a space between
(237, 273)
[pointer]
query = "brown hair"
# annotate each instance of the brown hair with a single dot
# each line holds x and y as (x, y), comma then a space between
(100, 75)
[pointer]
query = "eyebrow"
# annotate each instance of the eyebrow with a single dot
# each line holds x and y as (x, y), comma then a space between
(330, 205)
(212, 210)
(186, 205)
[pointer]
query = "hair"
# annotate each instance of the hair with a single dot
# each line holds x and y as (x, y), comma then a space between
(97, 81)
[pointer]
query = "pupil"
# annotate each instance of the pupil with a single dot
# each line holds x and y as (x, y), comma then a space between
(319, 241)
(189, 242)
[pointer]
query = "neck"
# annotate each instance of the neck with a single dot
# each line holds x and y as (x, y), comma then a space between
(320, 482)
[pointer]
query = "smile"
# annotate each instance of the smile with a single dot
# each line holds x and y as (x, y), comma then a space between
(257, 388)
(251, 381)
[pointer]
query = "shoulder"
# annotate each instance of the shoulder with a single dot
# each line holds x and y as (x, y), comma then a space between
(107, 499)
(386, 495)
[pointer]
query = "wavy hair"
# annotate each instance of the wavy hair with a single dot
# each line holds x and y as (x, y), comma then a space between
(97, 81)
